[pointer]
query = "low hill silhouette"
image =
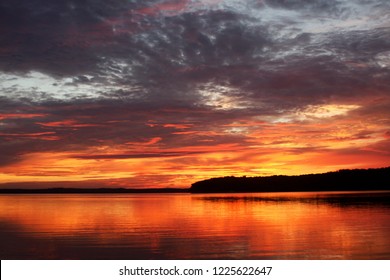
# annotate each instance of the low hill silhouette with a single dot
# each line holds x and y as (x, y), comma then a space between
(342, 180)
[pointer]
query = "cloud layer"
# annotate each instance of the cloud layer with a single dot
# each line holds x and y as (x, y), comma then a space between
(190, 89)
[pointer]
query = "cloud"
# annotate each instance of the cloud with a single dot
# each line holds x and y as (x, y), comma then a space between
(144, 78)
(112, 49)
(141, 155)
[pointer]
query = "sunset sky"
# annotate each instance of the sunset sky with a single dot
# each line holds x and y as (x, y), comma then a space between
(163, 93)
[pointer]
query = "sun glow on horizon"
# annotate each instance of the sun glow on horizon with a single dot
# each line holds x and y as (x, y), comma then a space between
(315, 140)
(165, 93)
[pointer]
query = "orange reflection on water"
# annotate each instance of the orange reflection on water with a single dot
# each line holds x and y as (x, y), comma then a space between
(285, 226)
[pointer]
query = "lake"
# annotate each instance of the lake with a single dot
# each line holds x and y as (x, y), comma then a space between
(316, 225)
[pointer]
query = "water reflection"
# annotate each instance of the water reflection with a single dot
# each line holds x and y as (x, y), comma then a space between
(339, 199)
(184, 226)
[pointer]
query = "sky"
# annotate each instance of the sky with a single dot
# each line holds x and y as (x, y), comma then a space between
(163, 93)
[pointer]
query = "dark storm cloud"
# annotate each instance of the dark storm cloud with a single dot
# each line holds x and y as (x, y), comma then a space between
(155, 49)
(132, 63)
(65, 37)
(35, 34)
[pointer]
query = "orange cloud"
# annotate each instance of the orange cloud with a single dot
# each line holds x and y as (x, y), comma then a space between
(20, 116)
(66, 123)
(176, 154)
(39, 135)
(177, 126)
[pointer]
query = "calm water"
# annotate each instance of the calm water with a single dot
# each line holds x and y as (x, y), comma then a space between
(184, 226)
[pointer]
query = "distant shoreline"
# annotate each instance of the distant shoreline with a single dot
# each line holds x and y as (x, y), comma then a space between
(90, 191)
(152, 191)
(343, 180)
